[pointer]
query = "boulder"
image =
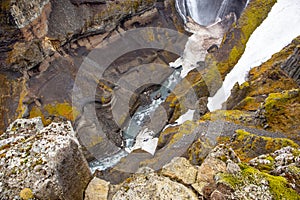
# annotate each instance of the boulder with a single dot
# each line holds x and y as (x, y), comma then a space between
(97, 190)
(45, 161)
(152, 186)
(180, 169)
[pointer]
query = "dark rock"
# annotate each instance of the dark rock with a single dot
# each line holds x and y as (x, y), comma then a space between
(292, 65)
(78, 2)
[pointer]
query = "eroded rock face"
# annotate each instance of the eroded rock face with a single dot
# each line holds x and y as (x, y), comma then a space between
(46, 160)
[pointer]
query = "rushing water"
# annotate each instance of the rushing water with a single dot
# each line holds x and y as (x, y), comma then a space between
(280, 27)
(135, 125)
(205, 12)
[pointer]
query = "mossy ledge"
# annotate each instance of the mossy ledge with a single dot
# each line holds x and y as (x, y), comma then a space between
(248, 146)
(50, 111)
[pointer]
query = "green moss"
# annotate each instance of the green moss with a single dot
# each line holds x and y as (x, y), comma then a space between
(296, 152)
(235, 116)
(36, 112)
(231, 180)
(249, 104)
(62, 109)
(185, 129)
(279, 187)
(294, 169)
(267, 167)
(248, 146)
(282, 111)
(199, 150)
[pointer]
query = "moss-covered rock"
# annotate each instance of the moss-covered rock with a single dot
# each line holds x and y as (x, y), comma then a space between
(282, 111)
(199, 150)
(266, 185)
(49, 112)
(248, 146)
(236, 116)
(42, 162)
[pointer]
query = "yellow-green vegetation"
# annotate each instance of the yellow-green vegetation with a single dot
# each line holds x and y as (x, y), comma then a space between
(268, 77)
(248, 146)
(235, 40)
(278, 186)
(64, 110)
(235, 116)
(267, 167)
(166, 135)
(199, 150)
(249, 104)
(26, 194)
(263, 80)
(282, 111)
(186, 128)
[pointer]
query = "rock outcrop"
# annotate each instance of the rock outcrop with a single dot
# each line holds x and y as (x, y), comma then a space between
(42, 162)
(292, 65)
(221, 176)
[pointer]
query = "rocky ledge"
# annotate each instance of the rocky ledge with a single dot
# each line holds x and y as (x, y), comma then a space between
(222, 175)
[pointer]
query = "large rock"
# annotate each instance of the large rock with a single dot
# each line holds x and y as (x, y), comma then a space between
(181, 169)
(152, 186)
(47, 162)
(97, 190)
(248, 146)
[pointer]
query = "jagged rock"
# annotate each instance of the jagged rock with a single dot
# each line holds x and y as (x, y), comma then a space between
(97, 190)
(235, 41)
(214, 163)
(292, 65)
(47, 160)
(152, 186)
(180, 169)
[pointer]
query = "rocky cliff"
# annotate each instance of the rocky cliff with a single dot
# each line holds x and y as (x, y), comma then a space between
(247, 150)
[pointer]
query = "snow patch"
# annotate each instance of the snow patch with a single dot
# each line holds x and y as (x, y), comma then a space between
(185, 117)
